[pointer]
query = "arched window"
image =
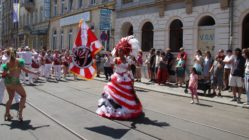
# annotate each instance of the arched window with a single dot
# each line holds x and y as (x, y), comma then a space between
(54, 45)
(176, 35)
(147, 36)
(207, 21)
(206, 34)
(61, 41)
(245, 32)
(70, 39)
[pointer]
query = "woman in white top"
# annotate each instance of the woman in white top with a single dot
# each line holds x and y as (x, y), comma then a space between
(227, 68)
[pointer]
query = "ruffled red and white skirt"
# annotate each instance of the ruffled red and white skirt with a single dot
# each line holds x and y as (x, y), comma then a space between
(119, 100)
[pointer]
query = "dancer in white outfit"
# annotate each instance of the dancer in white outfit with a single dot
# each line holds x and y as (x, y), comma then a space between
(57, 65)
(27, 57)
(48, 64)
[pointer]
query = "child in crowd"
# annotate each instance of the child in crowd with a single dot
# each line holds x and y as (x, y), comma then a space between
(193, 85)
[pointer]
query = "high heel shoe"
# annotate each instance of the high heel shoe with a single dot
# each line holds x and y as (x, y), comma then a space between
(8, 117)
(20, 118)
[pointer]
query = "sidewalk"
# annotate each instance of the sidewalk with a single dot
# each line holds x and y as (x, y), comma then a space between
(179, 91)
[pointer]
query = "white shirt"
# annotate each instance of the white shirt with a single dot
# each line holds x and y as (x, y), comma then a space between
(26, 56)
(5, 59)
(157, 60)
(228, 59)
(247, 66)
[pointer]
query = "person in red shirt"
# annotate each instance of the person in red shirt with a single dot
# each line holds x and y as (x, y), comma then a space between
(57, 65)
(179, 55)
(48, 64)
(35, 66)
(66, 59)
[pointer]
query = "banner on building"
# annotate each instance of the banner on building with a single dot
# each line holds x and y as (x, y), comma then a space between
(16, 7)
(206, 39)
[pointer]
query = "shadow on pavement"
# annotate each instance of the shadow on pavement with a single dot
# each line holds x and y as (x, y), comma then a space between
(204, 105)
(108, 131)
(147, 121)
(25, 125)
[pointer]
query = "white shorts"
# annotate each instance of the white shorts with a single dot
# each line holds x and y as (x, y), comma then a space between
(236, 81)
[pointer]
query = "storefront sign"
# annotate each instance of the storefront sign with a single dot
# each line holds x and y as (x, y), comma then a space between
(105, 19)
(75, 19)
(206, 39)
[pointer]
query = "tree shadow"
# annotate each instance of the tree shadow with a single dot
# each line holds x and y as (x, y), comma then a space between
(25, 125)
(147, 121)
(108, 131)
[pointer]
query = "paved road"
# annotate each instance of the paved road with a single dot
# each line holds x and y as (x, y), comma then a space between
(66, 110)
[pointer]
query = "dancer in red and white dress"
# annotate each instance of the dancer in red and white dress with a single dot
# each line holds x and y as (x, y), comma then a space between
(119, 100)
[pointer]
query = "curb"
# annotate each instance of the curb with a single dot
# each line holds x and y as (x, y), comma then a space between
(185, 95)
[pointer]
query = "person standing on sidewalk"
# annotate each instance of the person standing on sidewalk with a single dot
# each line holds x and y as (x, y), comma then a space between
(152, 63)
(237, 74)
(180, 70)
(162, 73)
(193, 85)
(246, 80)
(227, 68)
(139, 66)
(108, 66)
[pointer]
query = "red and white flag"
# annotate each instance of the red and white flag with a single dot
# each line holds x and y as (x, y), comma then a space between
(86, 46)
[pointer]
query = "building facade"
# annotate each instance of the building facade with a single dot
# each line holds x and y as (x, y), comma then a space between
(66, 14)
(34, 23)
(1, 14)
(191, 24)
(9, 29)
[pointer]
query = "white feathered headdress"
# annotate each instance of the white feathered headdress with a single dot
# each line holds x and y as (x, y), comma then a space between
(129, 45)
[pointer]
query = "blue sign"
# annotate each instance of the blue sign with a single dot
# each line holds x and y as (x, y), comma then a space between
(105, 19)
(47, 8)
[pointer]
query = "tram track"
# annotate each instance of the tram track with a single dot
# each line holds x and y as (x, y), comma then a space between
(140, 131)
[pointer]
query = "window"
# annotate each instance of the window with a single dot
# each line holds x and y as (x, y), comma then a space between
(70, 40)
(62, 6)
(31, 18)
(41, 15)
(55, 8)
(176, 35)
(54, 40)
(61, 41)
(147, 36)
(80, 3)
(36, 16)
(126, 1)
(70, 5)
(92, 2)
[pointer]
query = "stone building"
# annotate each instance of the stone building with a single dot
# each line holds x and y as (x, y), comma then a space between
(66, 14)
(191, 24)
(1, 13)
(34, 23)
(9, 29)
